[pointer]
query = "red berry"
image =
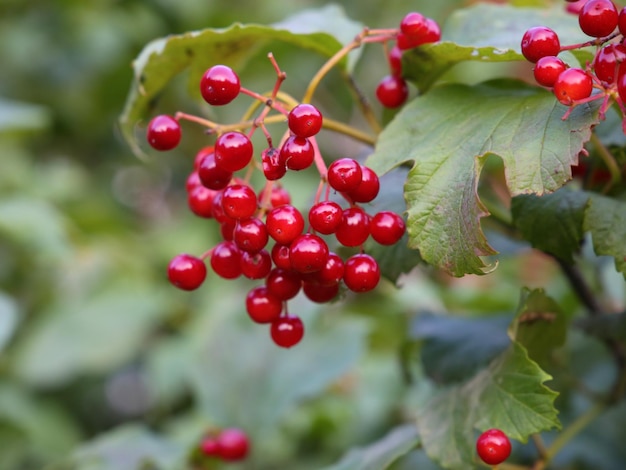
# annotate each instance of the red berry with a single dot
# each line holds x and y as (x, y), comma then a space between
(332, 272)
(387, 227)
(280, 256)
(279, 196)
(344, 175)
(209, 447)
(203, 152)
(283, 283)
(606, 61)
(225, 260)
(320, 293)
(219, 85)
(163, 132)
(211, 175)
(598, 18)
(193, 180)
(297, 153)
(392, 91)
(548, 69)
(621, 21)
(186, 272)
(354, 228)
(325, 217)
(273, 166)
(200, 201)
(239, 201)
(227, 229)
(233, 444)
(255, 265)
(263, 306)
(539, 42)
(413, 24)
(250, 235)
(493, 447)
(287, 331)
(305, 120)
(233, 151)
(572, 85)
(362, 273)
(368, 188)
(433, 32)
(217, 210)
(395, 61)
(308, 253)
(284, 224)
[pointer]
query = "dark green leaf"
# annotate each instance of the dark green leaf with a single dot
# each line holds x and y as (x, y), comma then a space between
(324, 31)
(455, 348)
(381, 454)
(553, 222)
(440, 134)
(605, 218)
(508, 395)
(486, 33)
(540, 325)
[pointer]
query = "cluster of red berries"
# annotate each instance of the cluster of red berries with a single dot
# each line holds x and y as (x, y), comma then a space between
(601, 20)
(249, 220)
(415, 30)
(493, 447)
(229, 445)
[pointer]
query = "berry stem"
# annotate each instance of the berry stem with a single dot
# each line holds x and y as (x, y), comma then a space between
(197, 119)
(319, 161)
(348, 130)
(593, 42)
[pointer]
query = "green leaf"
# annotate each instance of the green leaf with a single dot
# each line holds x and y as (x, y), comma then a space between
(552, 223)
(381, 454)
(90, 336)
(485, 33)
(440, 133)
(605, 218)
(323, 31)
(127, 447)
(454, 348)
(509, 395)
(9, 319)
(540, 325)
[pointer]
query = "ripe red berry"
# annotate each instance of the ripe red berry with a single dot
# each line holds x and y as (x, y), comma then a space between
(320, 293)
(493, 447)
(297, 153)
(621, 21)
(193, 180)
(392, 91)
(332, 272)
(572, 85)
(395, 61)
(344, 175)
(280, 256)
(250, 235)
(354, 228)
(263, 306)
(211, 175)
(209, 447)
(279, 196)
(284, 224)
(225, 260)
(598, 18)
(283, 283)
(163, 132)
(413, 24)
(287, 331)
(548, 69)
(200, 201)
(308, 253)
(255, 265)
(387, 227)
(203, 152)
(219, 85)
(233, 444)
(273, 166)
(305, 120)
(607, 60)
(368, 188)
(325, 217)
(361, 273)
(186, 272)
(233, 151)
(239, 201)
(539, 42)
(217, 210)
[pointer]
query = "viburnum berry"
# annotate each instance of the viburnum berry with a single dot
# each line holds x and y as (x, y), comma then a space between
(250, 235)
(392, 91)
(283, 283)
(361, 273)
(413, 24)
(227, 228)
(200, 201)
(395, 61)
(297, 153)
(186, 272)
(572, 85)
(273, 166)
(233, 151)
(354, 228)
(320, 293)
(233, 444)
(332, 272)
(308, 253)
(192, 181)
(239, 201)
(387, 227)
(325, 217)
(209, 447)
(280, 256)
(621, 21)
(203, 152)
(284, 224)
(547, 70)
(219, 85)
(539, 42)
(255, 265)
(606, 62)
(598, 18)
(217, 210)
(225, 260)
(263, 306)
(163, 132)
(368, 188)
(344, 175)
(305, 120)
(493, 447)
(211, 175)
(287, 331)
